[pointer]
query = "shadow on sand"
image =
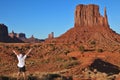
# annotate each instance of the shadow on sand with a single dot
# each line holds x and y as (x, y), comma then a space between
(105, 67)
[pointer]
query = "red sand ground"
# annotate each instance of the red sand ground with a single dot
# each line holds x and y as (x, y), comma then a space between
(52, 58)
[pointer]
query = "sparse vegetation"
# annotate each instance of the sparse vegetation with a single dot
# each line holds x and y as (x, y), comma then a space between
(66, 52)
(70, 64)
(45, 76)
(43, 58)
(92, 42)
(82, 48)
(46, 61)
(58, 59)
(100, 50)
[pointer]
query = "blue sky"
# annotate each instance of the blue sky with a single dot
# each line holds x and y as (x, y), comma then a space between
(41, 17)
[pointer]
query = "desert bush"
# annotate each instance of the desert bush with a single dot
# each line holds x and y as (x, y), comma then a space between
(7, 47)
(15, 47)
(52, 48)
(7, 78)
(4, 78)
(36, 77)
(45, 61)
(51, 44)
(32, 62)
(92, 42)
(72, 58)
(32, 77)
(27, 47)
(66, 52)
(35, 46)
(54, 77)
(82, 48)
(59, 59)
(100, 50)
(70, 64)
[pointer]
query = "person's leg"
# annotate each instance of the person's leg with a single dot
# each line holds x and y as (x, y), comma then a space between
(24, 75)
(23, 72)
(18, 75)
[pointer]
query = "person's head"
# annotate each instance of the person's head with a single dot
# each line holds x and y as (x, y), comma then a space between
(20, 55)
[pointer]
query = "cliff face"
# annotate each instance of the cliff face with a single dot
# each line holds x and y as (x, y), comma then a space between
(88, 15)
(3, 33)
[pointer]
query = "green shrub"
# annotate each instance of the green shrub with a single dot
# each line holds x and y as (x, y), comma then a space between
(58, 59)
(100, 50)
(66, 52)
(82, 48)
(70, 64)
(45, 61)
(72, 58)
(93, 42)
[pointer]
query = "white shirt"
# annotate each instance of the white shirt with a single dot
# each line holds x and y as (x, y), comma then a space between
(21, 60)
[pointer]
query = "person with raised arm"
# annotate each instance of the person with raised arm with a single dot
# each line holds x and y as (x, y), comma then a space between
(21, 62)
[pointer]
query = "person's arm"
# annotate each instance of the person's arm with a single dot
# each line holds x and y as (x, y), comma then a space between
(15, 52)
(28, 51)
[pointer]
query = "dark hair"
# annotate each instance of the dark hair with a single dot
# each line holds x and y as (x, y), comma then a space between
(21, 52)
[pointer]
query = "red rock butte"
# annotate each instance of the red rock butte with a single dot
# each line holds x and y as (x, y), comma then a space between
(89, 26)
(88, 15)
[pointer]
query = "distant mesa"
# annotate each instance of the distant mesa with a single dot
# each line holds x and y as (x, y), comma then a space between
(22, 37)
(4, 37)
(15, 37)
(89, 26)
(18, 35)
(32, 39)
